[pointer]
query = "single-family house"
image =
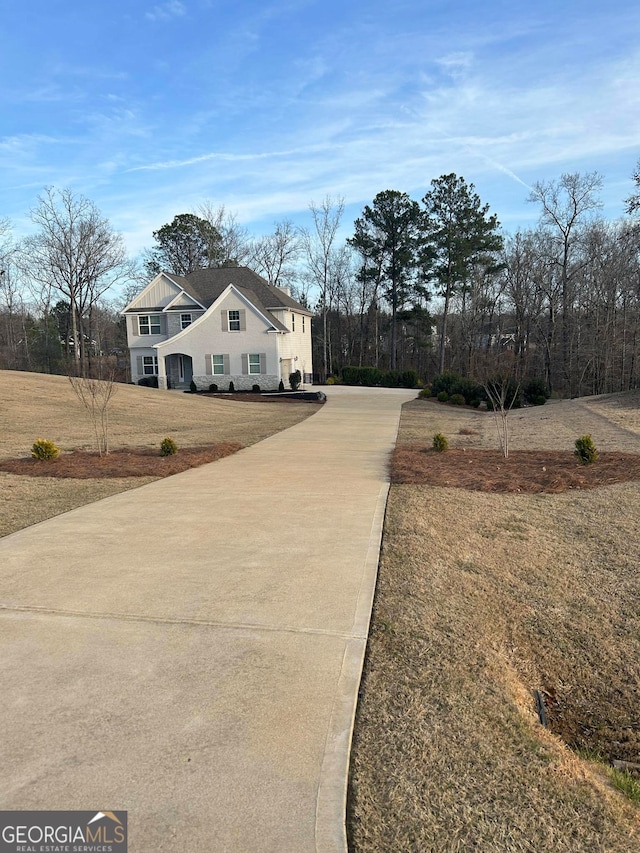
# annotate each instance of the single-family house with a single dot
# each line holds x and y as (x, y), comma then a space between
(216, 326)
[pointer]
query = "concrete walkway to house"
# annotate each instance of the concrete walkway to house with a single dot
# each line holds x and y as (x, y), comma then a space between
(190, 651)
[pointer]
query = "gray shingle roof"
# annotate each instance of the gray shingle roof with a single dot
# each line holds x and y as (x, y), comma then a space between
(207, 285)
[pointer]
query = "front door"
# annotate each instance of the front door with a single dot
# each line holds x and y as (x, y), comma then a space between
(285, 369)
(185, 369)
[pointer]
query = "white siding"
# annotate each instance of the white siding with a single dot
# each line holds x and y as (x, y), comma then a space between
(296, 343)
(207, 338)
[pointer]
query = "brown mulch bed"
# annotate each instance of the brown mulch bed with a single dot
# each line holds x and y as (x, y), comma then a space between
(528, 471)
(129, 462)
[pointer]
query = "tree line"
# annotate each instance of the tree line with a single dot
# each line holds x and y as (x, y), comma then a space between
(432, 285)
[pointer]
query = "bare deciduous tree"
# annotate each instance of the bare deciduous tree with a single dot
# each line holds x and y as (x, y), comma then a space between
(502, 393)
(77, 253)
(95, 393)
(274, 256)
(235, 249)
(565, 204)
(323, 262)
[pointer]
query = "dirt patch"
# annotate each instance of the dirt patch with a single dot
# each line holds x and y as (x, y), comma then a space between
(135, 462)
(550, 471)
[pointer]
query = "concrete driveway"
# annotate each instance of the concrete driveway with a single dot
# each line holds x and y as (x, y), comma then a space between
(190, 651)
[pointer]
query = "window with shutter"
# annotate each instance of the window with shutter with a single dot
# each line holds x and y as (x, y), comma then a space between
(254, 363)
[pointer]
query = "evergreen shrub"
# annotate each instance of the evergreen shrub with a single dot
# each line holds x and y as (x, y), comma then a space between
(535, 392)
(232, 387)
(440, 443)
(390, 379)
(442, 397)
(295, 379)
(213, 388)
(453, 383)
(44, 449)
(457, 399)
(586, 450)
(193, 387)
(409, 378)
(168, 447)
(255, 389)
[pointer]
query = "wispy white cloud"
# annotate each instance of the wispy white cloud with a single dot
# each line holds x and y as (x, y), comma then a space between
(222, 157)
(167, 11)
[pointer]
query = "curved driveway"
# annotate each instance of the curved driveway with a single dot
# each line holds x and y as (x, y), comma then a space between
(190, 651)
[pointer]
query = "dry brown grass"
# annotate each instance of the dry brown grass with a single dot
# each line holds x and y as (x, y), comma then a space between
(482, 599)
(34, 406)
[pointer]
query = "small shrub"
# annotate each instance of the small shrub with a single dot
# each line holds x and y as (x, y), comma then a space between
(255, 389)
(390, 379)
(440, 443)
(193, 387)
(476, 402)
(168, 447)
(445, 382)
(425, 392)
(280, 385)
(331, 380)
(45, 449)
(443, 397)
(586, 450)
(409, 379)
(232, 387)
(457, 399)
(369, 376)
(213, 388)
(453, 383)
(534, 391)
(295, 379)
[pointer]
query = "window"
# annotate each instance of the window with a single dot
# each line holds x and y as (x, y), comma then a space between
(303, 322)
(150, 324)
(185, 320)
(293, 322)
(218, 365)
(150, 365)
(234, 321)
(254, 363)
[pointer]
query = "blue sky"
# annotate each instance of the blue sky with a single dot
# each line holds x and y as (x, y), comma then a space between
(151, 108)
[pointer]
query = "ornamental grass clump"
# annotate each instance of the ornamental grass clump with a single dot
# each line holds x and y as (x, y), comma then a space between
(168, 447)
(45, 449)
(586, 450)
(440, 443)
